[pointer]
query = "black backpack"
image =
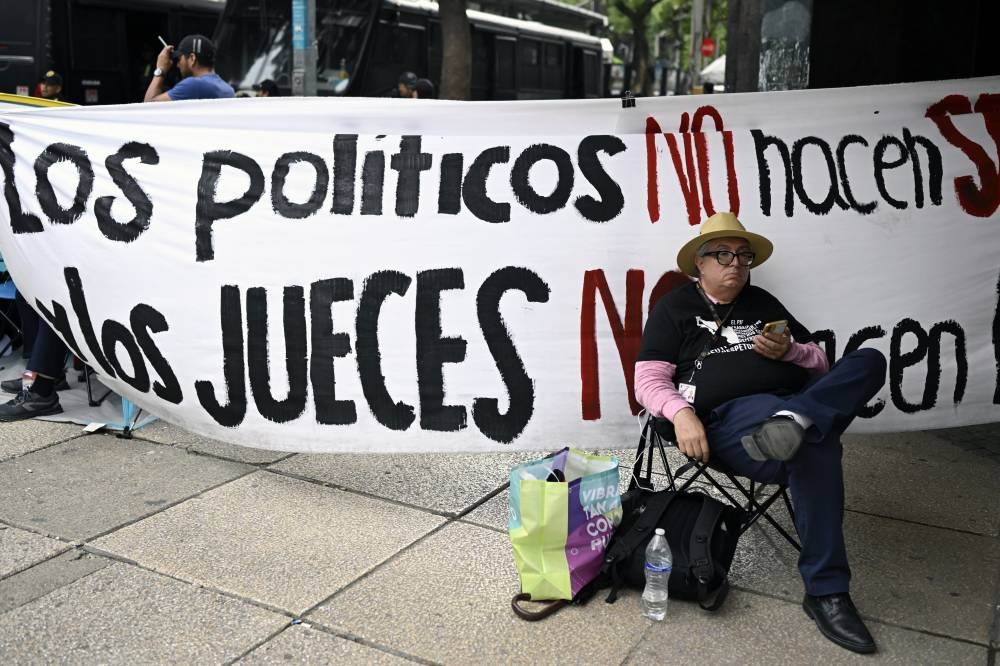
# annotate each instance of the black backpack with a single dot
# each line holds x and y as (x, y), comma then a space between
(702, 533)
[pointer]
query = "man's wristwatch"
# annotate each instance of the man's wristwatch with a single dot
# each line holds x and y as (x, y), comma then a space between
(157, 72)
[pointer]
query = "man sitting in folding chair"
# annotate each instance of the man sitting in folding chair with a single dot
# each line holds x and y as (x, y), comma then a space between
(735, 373)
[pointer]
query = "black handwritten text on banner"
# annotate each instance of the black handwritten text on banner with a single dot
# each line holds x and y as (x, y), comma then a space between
(394, 276)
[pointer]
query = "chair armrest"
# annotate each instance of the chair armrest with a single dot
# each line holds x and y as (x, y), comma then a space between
(665, 429)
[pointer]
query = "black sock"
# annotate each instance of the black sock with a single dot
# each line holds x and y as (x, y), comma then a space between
(43, 386)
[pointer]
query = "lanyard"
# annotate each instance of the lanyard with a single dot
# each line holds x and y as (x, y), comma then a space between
(711, 307)
(719, 323)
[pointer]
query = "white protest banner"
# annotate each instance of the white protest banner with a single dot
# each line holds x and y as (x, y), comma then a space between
(398, 275)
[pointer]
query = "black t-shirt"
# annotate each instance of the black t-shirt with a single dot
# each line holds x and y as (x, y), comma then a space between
(681, 325)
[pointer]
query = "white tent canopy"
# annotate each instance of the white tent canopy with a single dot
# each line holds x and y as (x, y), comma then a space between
(715, 71)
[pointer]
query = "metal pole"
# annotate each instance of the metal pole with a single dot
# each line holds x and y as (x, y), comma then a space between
(304, 47)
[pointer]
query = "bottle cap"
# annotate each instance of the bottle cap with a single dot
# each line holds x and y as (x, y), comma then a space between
(659, 530)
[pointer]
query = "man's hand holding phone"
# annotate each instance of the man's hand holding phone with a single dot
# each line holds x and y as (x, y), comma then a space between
(775, 341)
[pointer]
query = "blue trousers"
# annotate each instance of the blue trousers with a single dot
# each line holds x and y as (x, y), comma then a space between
(815, 475)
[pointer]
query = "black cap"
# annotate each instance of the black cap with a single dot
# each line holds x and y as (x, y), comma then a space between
(268, 86)
(408, 79)
(196, 44)
(424, 88)
(52, 78)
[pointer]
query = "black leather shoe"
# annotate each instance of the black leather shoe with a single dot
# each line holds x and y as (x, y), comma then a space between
(778, 439)
(838, 619)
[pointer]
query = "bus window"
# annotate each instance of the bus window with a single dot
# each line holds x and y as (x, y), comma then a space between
(253, 45)
(528, 64)
(20, 64)
(99, 62)
(340, 35)
(591, 74)
(433, 54)
(503, 49)
(91, 26)
(398, 48)
(553, 73)
(482, 73)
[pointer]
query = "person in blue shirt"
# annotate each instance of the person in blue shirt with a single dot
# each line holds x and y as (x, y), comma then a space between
(195, 57)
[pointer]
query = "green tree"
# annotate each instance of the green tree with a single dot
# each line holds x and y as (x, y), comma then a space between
(638, 21)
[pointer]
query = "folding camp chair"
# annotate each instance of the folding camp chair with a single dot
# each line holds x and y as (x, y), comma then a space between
(657, 434)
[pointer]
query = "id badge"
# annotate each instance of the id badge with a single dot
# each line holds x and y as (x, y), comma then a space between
(687, 392)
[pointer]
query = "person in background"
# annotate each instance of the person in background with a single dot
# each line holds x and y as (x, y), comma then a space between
(195, 57)
(45, 374)
(423, 89)
(267, 88)
(407, 82)
(52, 84)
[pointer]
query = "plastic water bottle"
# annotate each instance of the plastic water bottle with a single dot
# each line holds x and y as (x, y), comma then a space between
(659, 563)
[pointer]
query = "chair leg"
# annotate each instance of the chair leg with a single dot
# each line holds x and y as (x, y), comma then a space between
(757, 510)
(648, 440)
(129, 428)
(90, 392)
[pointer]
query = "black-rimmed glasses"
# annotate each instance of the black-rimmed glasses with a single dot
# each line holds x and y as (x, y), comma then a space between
(725, 257)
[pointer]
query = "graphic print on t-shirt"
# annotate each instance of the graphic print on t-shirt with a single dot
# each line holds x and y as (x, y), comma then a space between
(735, 337)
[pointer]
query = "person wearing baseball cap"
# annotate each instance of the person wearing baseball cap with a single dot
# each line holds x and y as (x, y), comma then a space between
(195, 58)
(407, 82)
(51, 87)
(727, 371)
(267, 88)
(423, 89)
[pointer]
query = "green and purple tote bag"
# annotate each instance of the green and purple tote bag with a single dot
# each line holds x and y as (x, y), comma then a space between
(563, 511)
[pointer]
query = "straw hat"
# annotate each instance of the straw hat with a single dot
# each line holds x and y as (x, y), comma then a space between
(722, 225)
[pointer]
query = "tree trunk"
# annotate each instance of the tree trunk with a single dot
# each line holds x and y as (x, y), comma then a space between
(640, 56)
(456, 51)
(639, 17)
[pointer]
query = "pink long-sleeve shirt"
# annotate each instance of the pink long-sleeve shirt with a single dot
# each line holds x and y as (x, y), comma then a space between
(654, 380)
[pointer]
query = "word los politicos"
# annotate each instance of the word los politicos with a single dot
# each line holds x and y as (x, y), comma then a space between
(459, 183)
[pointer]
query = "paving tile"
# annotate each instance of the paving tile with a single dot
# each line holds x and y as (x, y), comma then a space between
(918, 577)
(933, 482)
(86, 486)
(753, 629)
(984, 439)
(167, 433)
(447, 483)
(20, 549)
(22, 437)
(304, 645)
(492, 514)
(47, 576)
(283, 542)
(447, 599)
(124, 615)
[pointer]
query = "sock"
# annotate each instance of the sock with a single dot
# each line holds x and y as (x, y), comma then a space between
(803, 421)
(43, 386)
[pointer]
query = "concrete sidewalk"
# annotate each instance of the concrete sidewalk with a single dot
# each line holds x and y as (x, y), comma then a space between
(169, 548)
